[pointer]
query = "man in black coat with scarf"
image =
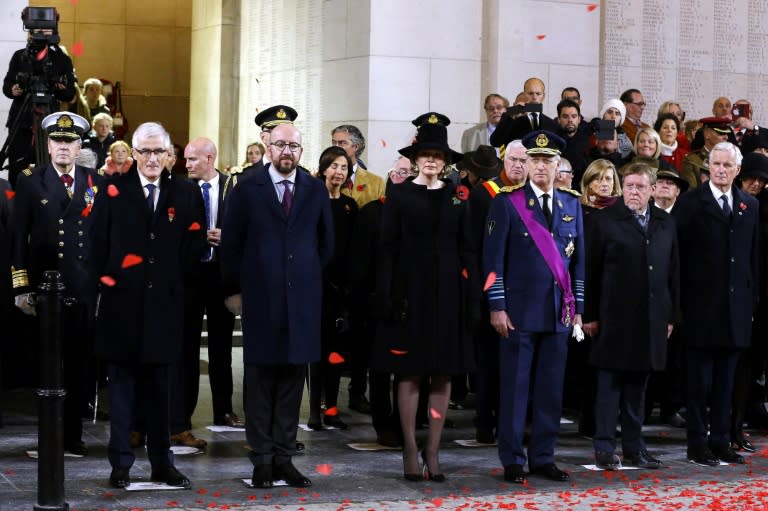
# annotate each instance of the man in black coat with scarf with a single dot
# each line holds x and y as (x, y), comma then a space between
(148, 237)
(717, 227)
(631, 306)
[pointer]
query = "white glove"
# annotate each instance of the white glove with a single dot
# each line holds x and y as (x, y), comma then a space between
(234, 304)
(25, 302)
(578, 333)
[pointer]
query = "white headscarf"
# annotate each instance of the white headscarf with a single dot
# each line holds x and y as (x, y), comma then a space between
(618, 105)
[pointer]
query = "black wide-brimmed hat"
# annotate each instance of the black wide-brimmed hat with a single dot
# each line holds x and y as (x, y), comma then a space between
(432, 134)
(754, 141)
(673, 176)
(754, 165)
(483, 162)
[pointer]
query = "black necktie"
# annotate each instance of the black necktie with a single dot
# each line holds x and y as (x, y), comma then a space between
(287, 196)
(150, 197)
(535, 120)
(726, 207)
(545, 209)
(208, 256)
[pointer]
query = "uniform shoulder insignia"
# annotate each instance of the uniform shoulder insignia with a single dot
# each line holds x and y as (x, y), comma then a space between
(568, 190)
(507, 189)
(27, 171)
(100, 172)
(235, 170)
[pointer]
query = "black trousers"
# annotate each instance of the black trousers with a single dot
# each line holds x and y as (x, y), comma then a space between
(77, 363)
(272, 403)
(487, 376)
(130, 384)
(620, 392)
(205, 297)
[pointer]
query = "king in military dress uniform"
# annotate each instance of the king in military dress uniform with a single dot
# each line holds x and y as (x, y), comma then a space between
(533, 260)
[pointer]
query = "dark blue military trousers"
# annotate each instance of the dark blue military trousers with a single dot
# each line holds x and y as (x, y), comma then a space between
(535, 362)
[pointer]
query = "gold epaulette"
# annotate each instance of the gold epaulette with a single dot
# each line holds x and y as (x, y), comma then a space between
(568, 190)
(100, 171)
(235, 170)
(507, 189)
(20, 278)
(27, 171)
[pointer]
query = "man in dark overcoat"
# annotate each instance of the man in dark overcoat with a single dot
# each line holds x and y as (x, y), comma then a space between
(277, 236)
(49, 231)
(148, 237)
(533, 260)
(717, 226)
(632, 301)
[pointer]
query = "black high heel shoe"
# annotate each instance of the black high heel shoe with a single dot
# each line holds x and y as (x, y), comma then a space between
(414, 478)
(437, 478)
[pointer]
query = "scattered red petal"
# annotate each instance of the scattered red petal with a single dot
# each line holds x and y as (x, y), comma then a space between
(591, 7)
(216, 494)
(464, 273)
(541, 37)
(107, 281)
(434, 414)
(9, 194)
(383, 143)
(107, 494)
(112, 191)
(253, 497)
(131, 260)
(335, 358)
(325, 469)
(77, 48)
(437, 502)
(332, 411)
(9, 472)
(202, 491)
(73, 2)
(489, 281)
(398, 352)
(172, 503)
(194, 226)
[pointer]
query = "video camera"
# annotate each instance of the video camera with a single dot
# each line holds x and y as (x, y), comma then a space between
(38, 21)
(42, 25)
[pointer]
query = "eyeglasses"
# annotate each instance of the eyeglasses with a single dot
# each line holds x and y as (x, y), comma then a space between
(150, 152)
(292, 146)
(641, 104)
(565, 171)
(633, 186)
(402, 172)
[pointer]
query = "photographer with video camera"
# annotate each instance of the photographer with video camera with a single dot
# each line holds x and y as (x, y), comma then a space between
(39, 76)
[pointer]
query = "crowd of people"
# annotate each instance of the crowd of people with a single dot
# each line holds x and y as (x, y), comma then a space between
(603, 265)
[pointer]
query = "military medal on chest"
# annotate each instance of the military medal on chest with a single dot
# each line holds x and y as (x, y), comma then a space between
(569, 248)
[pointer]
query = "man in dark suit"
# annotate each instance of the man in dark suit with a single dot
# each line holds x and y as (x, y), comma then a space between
(630, 311)
(49, 230)
(204, 295)
(278, 235)
(533, 259)
(515, 125)
(717, 226)
(148, 237)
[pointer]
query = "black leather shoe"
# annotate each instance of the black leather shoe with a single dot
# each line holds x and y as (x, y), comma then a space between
(288, 473)
(740, 443)
(262, 476)
(76, 449)
(119, 478)
(702, 456)
(315, 425)
(169, 475)
(551, 472)
(727, 454)
(389, 438)
(299, 447)
(361, 405)
(675, 420)
(607, 460)
(484, 435)
(514, 474)
(642, 460)
(334, 421)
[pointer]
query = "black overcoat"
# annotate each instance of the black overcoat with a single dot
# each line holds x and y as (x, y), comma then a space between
(632, 288)
(140, 307)
(719, 267)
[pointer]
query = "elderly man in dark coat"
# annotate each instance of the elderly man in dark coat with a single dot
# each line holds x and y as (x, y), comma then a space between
(717, 226)
(277, 236)
(630, 309)
(148, 237)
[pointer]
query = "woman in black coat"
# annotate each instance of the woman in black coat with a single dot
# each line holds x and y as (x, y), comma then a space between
(325, 374)
(425, 265)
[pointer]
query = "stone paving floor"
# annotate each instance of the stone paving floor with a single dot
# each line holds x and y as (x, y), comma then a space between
(344, 478)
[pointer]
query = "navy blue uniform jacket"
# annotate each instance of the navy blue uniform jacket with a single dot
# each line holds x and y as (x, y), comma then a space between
(276, 261)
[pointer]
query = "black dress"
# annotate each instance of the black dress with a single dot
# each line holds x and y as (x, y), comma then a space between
(425, 276)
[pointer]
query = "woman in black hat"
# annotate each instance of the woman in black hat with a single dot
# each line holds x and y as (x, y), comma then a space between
(423, 284)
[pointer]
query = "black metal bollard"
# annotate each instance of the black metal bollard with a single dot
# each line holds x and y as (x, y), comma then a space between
(50, 442)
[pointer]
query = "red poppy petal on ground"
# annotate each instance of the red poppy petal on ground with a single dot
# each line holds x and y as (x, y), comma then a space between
(437, 502)
(325, 469)
(112, 191)
(464, 273)
(107, 281)
(131, 260)
(541, 37)
(202, 491)
(398, 352)
(591, 7)
(9, 194)
(335, 358)
(194, 226)
(332, 411)
(489, 281)
(434, 414)
(172, 503)
(77, 48)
